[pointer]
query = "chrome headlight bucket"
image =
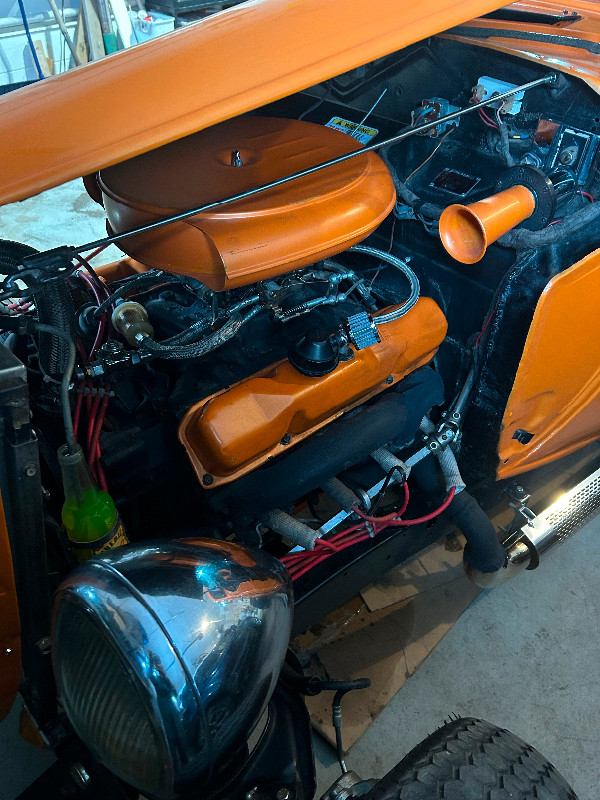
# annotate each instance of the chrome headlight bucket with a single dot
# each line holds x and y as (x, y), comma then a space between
(167, 654)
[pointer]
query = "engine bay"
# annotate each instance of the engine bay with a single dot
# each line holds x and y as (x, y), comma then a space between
(253, 372)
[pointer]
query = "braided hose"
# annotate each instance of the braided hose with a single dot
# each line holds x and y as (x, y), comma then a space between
(196, 349)
(415, 289)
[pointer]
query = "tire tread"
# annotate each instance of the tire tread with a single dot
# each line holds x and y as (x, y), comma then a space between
(471, 759)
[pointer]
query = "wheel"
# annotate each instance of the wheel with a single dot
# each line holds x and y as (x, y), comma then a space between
(470, 759)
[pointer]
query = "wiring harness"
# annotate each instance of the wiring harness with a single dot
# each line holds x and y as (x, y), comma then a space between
(301, 562)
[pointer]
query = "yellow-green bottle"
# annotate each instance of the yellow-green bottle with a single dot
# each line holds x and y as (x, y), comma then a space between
(89, 515)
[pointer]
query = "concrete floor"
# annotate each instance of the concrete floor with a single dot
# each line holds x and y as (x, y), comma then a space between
(525, 656)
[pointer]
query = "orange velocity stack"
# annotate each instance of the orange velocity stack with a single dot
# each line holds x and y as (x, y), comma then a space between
(270, 233)
(466, 231)
(234, 431)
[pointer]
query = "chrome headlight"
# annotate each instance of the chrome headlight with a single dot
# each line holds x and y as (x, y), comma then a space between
(167, 654)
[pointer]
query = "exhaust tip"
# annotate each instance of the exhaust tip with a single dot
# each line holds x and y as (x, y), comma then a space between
(518, 558)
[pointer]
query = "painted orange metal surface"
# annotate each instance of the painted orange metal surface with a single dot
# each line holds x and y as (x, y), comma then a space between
(117, 270)
(556, 393)
(567, 58)
(466, 231)
(234, 431)
(10, 626)
(138, 99)
(271, 233)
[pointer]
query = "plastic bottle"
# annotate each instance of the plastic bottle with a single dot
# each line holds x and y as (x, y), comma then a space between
(89, 515)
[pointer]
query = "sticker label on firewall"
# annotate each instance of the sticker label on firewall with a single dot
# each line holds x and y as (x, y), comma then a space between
(362, 133)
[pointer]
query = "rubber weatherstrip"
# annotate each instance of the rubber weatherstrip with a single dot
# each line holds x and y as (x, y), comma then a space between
(546, 38)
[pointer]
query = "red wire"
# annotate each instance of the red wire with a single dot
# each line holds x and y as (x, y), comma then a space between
(101, 475)
(485, 327)
(298, 564)
(427, 517)
(96, 252)
(487, 120)
(394, 515)
(586, 194)
(92, 422)
(94, 449)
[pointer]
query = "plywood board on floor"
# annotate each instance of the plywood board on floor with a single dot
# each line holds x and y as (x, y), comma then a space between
(387, 643)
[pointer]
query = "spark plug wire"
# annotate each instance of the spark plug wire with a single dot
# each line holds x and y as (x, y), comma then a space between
(299, 563)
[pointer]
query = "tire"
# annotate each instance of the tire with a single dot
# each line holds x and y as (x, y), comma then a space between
(470, 759)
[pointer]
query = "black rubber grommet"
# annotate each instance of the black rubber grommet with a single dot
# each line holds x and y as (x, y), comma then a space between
(539, 185)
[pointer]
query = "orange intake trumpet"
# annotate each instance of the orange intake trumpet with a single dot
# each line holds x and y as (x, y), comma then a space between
(466, 231)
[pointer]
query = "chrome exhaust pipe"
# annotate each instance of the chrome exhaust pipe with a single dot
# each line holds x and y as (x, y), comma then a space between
(568, 515)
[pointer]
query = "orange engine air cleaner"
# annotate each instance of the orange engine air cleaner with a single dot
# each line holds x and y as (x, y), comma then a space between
(268, 234)
(234, 431)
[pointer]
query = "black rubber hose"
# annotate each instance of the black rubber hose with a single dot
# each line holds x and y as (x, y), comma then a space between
(483, 550)
(137, 283)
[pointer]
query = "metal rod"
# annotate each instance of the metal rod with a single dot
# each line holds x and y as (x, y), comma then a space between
(310, 170)
(63, 29)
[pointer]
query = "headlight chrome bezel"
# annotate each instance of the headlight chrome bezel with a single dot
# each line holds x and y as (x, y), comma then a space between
(201, 628)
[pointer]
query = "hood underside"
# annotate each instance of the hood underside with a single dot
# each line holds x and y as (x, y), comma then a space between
(138, 99)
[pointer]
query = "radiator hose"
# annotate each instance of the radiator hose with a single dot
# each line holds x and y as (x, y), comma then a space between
(483, 551)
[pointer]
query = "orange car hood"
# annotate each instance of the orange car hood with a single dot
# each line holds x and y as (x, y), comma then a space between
(238, 60)
(135, 100)
(571, 46)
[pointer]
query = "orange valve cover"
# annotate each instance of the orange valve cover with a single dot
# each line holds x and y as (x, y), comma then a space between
(234, 431)
(262, 236)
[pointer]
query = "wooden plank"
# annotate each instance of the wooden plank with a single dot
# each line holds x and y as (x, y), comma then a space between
(46, 63)
(80, 41)
(93, 30)
(63, 29)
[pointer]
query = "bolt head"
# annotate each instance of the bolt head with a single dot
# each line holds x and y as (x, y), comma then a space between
(283, 794)
(44, 645)
(207, 479)
(7, 651)
(30, 470)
